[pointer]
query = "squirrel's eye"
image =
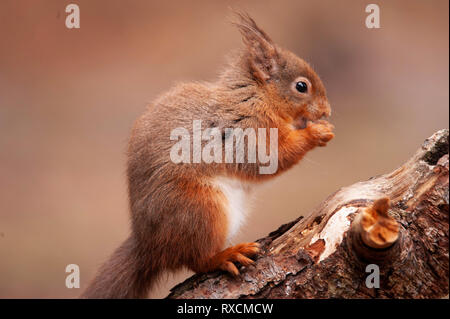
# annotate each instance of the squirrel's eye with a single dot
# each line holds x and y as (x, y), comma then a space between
(301, 86)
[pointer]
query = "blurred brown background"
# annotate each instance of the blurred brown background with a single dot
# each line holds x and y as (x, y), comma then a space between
(68, 99)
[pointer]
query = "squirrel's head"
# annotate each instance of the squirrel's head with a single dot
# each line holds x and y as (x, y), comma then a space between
(293, 86)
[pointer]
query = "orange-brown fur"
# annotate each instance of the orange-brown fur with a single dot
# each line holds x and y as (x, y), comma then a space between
(178, 217)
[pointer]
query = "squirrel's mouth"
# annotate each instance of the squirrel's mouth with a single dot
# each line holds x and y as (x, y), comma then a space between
(301, 122)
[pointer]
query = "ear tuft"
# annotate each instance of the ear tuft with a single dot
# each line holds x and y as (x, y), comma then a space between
(248, 27)
(262, 52)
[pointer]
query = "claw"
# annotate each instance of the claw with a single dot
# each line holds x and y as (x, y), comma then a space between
(237, 254)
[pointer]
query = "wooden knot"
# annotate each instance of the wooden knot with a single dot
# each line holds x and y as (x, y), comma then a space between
(374, 234)
(377, 229)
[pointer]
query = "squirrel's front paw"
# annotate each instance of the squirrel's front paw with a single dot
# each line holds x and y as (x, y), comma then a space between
(321, 131)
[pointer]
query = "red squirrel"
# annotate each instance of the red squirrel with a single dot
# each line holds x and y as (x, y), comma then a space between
(183, 214)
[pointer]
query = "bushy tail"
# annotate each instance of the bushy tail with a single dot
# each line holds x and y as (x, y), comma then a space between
(127, 274)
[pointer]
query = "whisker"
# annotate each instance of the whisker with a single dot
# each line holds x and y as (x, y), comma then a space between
(311, 161)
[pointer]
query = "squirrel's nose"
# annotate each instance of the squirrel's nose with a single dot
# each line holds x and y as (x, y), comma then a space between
(327, 110)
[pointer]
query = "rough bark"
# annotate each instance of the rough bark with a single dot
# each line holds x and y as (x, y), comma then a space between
(325, 254)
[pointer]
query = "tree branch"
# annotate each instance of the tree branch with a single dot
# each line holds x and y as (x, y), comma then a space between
(398, 221)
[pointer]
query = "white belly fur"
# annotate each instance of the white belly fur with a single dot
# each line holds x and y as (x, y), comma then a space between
(237, 194)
